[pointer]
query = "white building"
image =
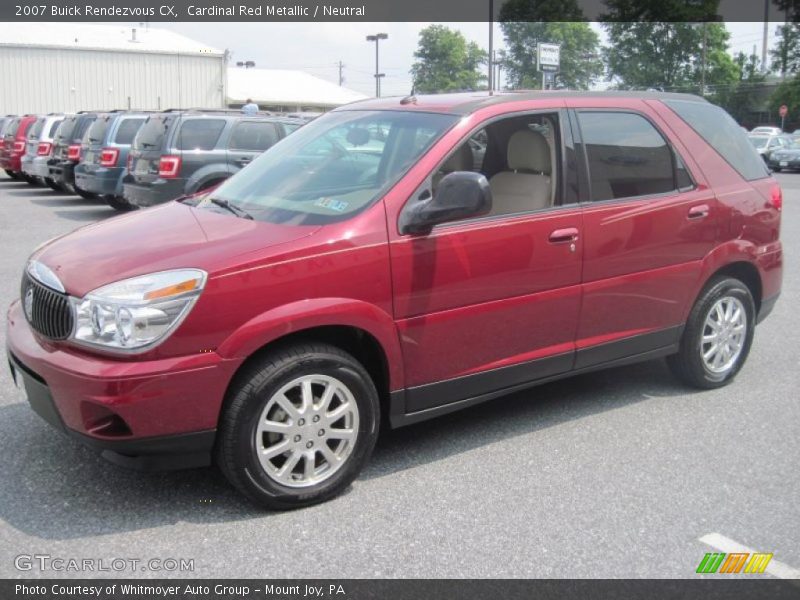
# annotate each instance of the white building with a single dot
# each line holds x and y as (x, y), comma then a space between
(49, 67)
(285, 90)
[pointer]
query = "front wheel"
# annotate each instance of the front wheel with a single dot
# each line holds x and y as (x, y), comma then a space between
(299, 426)
(718, 335)
(119, 203)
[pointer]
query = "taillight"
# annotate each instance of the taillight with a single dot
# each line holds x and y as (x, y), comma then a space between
(169, 166)
(44, 148)
(19, 147)
(74, 152)
(108, 157)
(776, 197)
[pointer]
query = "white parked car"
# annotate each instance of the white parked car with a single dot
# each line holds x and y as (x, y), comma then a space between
(767, 130)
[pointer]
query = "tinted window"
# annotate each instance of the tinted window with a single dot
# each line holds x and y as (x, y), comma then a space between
(64, 132)
(199, 134)
(627, 156)
(722, 133)
(82, 125)
(12, 128)
(36, 129)
(97, 131)
(151, 134)
(54, 128)
(290, 127)
(127, 131)
(252, 135)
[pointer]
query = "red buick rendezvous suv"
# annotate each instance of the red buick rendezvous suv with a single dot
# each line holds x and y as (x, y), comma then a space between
(400, 260)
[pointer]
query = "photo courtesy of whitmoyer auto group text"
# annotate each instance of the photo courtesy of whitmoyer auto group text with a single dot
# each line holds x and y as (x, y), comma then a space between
(399, 299)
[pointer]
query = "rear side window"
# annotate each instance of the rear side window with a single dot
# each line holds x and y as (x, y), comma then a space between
(722, 133)
(199, 134)
(54, 128)
(127, 131)
(627, 156)
(97, 130)
(12, 128)
(82, 126)
(36, 129)
(151, 135)
(253, 135)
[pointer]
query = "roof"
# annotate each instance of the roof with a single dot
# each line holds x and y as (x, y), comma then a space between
(467, 102)
(285, 87)
(102, 37)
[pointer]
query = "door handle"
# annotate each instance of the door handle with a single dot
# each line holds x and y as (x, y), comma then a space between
(243, 161)
(698, 212)
(564, 236)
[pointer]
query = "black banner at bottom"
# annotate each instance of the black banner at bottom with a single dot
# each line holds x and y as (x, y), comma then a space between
(397, 589)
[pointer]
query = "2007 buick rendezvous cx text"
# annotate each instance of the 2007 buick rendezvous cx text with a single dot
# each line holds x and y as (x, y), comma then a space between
(396, 260)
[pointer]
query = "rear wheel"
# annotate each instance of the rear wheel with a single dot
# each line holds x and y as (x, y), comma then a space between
(299, 426)
(85, 194)
(718, 335)
(31, 179)
(12, 174)
(119, 203)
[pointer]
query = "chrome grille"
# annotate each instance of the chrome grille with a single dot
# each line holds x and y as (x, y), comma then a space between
(47, 311)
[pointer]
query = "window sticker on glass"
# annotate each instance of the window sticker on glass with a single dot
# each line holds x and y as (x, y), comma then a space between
(332, 204)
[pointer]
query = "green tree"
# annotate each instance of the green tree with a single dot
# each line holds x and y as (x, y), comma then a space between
(742, 98)
(786, 53)
(579, 57)
(787, 93)
(446, 62)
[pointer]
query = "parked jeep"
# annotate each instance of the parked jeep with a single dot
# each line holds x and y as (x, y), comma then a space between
(178, 153)
(67, 152)
(104, 154)
(38, 146)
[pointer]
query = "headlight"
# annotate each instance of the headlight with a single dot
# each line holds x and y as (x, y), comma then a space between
(135, 314)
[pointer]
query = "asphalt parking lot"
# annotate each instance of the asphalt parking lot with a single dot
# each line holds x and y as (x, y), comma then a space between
(613, 474)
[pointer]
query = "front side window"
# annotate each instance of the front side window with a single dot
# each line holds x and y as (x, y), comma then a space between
(199, 134)
(627, 156)
(332, 168)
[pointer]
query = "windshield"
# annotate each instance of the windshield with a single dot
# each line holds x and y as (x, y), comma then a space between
(333, 167)
(151, 134)
(759, 142)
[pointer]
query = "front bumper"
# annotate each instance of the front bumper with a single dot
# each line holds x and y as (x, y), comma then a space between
(775, 162)
(98, 180)
(157, 192)
(144, 414)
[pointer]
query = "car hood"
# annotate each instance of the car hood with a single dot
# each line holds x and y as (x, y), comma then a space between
(170, 236)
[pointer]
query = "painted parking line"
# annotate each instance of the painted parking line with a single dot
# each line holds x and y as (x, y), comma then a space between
(727, 545)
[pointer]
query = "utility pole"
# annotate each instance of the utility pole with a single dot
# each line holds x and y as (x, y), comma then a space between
(765, 36)
(491, 46)
(703, 68)
(341, 77)
(377, 38)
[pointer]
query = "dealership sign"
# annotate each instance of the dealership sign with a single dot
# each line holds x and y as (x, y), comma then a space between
(548, 57)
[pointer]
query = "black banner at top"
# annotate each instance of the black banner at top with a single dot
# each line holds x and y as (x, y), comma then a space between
(400, 10)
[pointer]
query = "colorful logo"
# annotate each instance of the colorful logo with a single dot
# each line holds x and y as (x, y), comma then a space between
(734, 562)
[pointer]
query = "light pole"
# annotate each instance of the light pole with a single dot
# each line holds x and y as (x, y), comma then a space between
(377, 38)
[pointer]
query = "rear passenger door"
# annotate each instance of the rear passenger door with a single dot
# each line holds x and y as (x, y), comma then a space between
(248, 139)
(196, 142)
(647, 223)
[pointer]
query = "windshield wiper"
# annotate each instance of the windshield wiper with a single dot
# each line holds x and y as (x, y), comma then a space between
(239, 212)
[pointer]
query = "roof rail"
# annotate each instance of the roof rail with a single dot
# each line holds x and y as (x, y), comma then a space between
(197, 109)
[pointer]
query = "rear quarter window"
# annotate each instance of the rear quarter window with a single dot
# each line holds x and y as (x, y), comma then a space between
(36, 128)
(151, 135)
(54, 128)
(723, 134)
(199, 134)
(127, 131)
(253, 135)
(64, 132)
(97, 130)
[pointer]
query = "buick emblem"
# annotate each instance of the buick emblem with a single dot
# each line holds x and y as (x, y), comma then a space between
(27, 303)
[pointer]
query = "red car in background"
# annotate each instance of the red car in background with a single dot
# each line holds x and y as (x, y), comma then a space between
(12, 147)
(397, 260)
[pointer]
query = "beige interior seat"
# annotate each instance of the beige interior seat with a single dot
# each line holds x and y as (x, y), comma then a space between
(461, 160)
(527, 184)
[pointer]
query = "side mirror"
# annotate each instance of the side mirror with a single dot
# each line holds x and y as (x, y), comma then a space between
(460, 195)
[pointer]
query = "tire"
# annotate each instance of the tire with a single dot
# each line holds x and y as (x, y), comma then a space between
(12, 174)
(119, 203)
(689, 365)
(252, 400)
(34, 181)
(56, 187)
